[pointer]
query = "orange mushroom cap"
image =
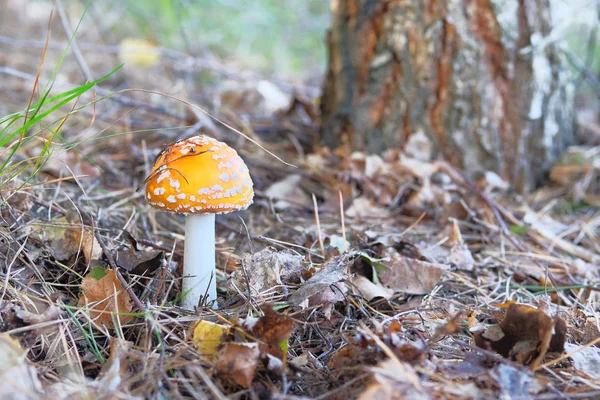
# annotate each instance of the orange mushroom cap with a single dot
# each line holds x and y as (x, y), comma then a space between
(199, 175)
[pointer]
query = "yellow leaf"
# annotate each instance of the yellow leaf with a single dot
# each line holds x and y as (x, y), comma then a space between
(207, 338)
(138, 53)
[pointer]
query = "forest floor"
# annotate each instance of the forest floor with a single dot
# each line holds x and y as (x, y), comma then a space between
(351, 276)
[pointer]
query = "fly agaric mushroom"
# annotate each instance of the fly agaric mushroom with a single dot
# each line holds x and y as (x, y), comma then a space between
(199, 177)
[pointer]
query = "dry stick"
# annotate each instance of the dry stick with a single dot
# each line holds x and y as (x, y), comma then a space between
(74, 47)
(342, 217)
(461, 179)
(567, 355)
(316, 208)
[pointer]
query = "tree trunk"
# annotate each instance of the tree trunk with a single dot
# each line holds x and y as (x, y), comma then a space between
(478, 77)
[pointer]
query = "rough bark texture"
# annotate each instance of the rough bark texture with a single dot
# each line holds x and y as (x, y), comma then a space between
(476, 76)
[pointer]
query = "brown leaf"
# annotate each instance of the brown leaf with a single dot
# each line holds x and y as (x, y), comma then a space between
(106, 298)
(19, 378)
(525, 335)
(288, 193)
(408, 275)
(363, 208)
(585, 359)
(394, 380)
(333, 271)
(272, 330)
(268, 268)
(139, 262)
(236, 362)
(369, 290)
(116, 367)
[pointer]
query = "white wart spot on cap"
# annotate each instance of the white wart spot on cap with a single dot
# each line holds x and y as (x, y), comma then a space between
(159, 191)
(232, 191)
(171, 199)
(163, 175)
(224, 177)
(174, 183)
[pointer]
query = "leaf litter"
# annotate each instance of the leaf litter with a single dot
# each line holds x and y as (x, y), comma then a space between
(402, 300)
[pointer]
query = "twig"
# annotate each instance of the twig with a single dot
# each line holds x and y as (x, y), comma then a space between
(316, 208)
(74, 47)
(343, 220)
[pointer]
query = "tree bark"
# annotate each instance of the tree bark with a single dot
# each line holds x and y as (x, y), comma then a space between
(478, 77)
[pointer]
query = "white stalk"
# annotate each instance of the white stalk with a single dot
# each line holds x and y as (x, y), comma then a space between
(199, 274)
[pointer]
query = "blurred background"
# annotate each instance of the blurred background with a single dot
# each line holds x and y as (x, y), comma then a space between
(279, 40)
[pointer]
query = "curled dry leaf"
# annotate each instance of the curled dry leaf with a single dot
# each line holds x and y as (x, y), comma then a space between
(363, 208)
(139, 262)
(207, 338)
(585, 359)
(287, 193)
(66, 241)
(272, 331)
(459, 255)
(237, 362)
(394, 380)
(105, 297)
(525, 335)
(268, 268)
(333, 272)
(116, 367)
(408, 275)
(369, 290)
(19, 379)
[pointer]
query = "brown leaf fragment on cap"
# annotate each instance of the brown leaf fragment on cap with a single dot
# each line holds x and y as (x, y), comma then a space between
(525, 335)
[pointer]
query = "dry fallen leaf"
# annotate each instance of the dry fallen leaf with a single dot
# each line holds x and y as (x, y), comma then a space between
(268, 268)
(288, 193)
(207, 338)
(408, 275)
(369, 290)
(66, 240)
(237, 362)
(272, 331)
(139, 262)
(113, 371)
(394, 380)
(103, 294)
(525, 335)
(333, 272)
(363, 208)
(19, 379)
(585, 359)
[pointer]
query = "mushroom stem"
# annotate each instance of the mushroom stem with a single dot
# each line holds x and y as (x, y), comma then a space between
(199, 274)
